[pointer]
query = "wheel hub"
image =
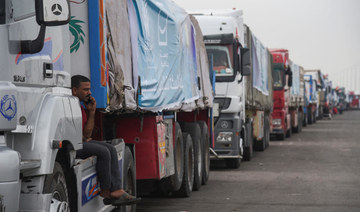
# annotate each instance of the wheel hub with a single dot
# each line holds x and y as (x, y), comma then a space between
(59, 206)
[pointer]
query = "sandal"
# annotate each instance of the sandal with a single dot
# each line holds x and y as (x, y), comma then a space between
(125, 199)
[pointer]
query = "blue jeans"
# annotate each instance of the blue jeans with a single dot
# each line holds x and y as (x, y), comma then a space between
(107, 166)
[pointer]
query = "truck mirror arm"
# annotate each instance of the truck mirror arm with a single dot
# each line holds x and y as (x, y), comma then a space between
(33, 46)
(241, 79)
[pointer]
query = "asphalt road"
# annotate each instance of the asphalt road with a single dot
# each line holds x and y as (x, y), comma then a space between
(316, 170)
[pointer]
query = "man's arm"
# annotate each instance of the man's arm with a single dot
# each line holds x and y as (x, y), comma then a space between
(89, 126)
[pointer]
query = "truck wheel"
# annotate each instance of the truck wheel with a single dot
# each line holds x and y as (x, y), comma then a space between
(188, 176)
(175, 180)
(55, 184)
(310, 117)
(288, 133)
(261, 145)
(305, 120)
(129, 178)
(300, 118)
(295, 129)
(267, 132)
(206, 151)
(194, 130)
(249, 151)
(281, 136)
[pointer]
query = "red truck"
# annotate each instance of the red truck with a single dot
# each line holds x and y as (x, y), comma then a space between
(282, 81)
(354, 101)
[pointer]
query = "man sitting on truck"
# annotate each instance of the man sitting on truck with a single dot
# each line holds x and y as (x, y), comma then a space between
(107, 166)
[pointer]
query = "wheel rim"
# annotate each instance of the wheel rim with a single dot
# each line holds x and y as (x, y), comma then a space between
(58, 205)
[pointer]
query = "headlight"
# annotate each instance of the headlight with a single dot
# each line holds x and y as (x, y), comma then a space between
(276, 122)
(224, 137)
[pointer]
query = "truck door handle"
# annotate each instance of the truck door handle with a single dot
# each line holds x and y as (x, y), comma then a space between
(48, 70)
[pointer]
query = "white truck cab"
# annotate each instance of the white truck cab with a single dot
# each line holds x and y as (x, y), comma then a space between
(223, 32)
(40, 120)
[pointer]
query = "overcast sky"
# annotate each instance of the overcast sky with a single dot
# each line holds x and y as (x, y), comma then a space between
(319, 34)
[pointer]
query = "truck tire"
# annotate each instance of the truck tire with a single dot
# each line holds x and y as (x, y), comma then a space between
(129, 178)
(310, 117)
(305, 120)
(188, 176)
(267, 132)
(300, 118)
(175, 180)
(205, 139)
(261, 145)
(288, 133)
(249, 150)
(296, 129)
(194, 130)
(55, 184)
(281, 136)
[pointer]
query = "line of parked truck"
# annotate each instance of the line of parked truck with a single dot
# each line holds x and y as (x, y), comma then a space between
(173, 90)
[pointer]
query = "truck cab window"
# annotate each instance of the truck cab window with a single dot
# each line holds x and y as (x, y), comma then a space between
(278, 78)
(2, 12)
(22, 9)
(222, 60)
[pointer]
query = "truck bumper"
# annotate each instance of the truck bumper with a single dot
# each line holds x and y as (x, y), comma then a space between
(227, 138)
(9, 196)
(9, 179)
(277, 132)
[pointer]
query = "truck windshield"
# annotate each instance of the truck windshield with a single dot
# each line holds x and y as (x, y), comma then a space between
(22, 9)
(278, 78)
(222, 59)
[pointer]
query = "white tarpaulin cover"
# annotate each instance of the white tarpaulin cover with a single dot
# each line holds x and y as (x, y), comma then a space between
(122, 92)
(206, 93)
(295, 88)
(260, 66)
(259, 92)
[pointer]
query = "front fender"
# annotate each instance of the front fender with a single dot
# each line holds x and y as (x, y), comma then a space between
(58, 118)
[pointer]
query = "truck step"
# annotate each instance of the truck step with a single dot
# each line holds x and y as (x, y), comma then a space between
(30, 164)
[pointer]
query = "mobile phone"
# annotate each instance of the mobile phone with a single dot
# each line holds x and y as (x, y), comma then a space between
(88, 101)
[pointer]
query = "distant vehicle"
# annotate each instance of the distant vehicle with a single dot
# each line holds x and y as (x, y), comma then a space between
(223, 32)
(282, 79)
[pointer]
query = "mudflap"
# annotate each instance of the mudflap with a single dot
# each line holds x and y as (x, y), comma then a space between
(87, 184)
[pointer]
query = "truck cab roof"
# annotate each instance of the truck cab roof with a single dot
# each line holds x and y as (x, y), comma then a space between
(214, 22)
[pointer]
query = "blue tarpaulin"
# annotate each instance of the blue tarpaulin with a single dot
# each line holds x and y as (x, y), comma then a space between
(164, 54)
(260, 66)
(295, 88)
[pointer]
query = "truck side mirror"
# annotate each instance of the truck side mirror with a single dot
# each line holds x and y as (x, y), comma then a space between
(52, 13)
(245, 62)
(289, 73)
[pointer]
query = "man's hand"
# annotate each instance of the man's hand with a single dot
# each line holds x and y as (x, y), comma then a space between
(85, 139)
(91, 106)
(90, 123)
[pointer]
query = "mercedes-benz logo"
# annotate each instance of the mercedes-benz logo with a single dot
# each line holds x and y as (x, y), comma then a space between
(8, 107)
(56, 9)
(224, 124)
